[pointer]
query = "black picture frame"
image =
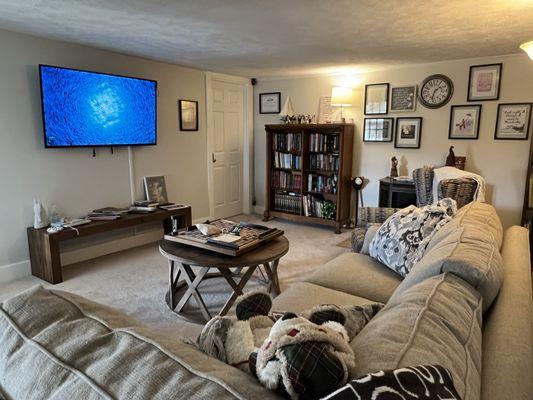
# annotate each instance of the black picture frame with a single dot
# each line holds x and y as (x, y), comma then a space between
(385, 85)
(528, 121)
(396, 135)
(274, 94)
(183, 123)
(391, 130)
(394, 99)
(478, 120)
(469, 96)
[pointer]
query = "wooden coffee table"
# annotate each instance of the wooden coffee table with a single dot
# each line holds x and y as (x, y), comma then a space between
(181, 258)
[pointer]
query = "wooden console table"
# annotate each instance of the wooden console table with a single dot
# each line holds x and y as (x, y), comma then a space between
(396, 194)
(44, 247)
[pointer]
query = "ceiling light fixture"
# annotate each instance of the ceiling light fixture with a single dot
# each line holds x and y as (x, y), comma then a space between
(528, 48)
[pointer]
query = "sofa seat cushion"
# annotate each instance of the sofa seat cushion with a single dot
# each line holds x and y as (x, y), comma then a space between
(358, 275)
(468, 246)
(57, 345)
(302, 296)
(437, 322)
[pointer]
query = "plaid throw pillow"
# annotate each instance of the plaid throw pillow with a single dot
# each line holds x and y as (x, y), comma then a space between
(427, 382)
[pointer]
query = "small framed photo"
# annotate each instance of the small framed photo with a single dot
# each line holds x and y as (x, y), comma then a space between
(484, 82)
(513, 121)
(378, 129)
(188, 111)
(464, 121)
(403, 98)
(270, 103)
(156, 189)
(377, 99)
(408, 132)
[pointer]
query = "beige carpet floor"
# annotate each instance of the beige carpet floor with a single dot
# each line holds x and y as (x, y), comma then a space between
(135, 280)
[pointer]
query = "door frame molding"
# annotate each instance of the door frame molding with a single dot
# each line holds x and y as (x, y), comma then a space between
(248, 140)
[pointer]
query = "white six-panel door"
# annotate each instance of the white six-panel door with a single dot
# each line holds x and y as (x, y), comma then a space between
(227, 148)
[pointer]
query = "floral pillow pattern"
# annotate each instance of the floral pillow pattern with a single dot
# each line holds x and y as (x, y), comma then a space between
(402, 239)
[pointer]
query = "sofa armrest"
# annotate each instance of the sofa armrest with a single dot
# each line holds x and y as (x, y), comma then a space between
(373, 215)
(358, 238)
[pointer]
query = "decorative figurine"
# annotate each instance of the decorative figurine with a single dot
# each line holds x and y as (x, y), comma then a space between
(450, 160)
(394, 167)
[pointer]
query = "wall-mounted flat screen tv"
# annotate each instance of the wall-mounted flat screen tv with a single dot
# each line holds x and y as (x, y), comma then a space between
(90, 109)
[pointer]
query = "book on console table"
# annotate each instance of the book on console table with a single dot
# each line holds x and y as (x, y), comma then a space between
(250, 236)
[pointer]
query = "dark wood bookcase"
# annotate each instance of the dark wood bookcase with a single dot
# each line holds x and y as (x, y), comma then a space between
(527, 210)
(307, 165)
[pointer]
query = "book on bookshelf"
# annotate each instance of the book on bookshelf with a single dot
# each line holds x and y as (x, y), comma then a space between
(322, 183)
(288, 202)
(328, 162)
(287, 160)
(287, 141)
(324, 142)
(286, 180)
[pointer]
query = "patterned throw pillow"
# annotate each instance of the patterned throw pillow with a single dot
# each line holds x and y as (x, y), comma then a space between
(402, 239)
(427, 382)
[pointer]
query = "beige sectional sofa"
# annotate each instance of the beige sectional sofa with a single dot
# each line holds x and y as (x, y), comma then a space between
(467, 305)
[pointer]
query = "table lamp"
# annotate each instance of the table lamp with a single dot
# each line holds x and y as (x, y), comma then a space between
(341, 97)
(527, 47)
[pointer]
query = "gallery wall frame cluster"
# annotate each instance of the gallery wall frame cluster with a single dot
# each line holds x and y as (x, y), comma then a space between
(513, 120)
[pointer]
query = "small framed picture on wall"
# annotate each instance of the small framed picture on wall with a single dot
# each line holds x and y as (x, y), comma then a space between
(484, 82)
(403, 98)
(513, 121)
(408, 133)
(378, 129)
(377, 99)
(464, 121)
(188, 112)
(270, 103)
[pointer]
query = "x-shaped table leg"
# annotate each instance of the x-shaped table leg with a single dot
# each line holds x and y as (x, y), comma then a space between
(193, 281)
(271, 270)
(237, 287)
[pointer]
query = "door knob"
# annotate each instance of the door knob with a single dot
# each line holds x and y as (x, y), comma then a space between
(213, 157)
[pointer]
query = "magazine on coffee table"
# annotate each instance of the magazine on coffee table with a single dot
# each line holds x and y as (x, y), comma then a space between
(235, 238)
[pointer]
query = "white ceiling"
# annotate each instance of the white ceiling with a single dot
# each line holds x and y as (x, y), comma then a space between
(259, 38)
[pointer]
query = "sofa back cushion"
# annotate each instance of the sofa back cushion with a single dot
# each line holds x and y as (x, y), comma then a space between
(437, 321)
(468, 246)
(54, 345)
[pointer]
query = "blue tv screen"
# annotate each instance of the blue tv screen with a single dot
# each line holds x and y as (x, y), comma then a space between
(90, 109)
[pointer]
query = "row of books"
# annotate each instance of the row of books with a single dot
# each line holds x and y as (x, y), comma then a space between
(313, 206)
(290, 202)
(324, 161)
(283, 160)
(287, 141)
(324, 142)
(286, 180)
(322, 183)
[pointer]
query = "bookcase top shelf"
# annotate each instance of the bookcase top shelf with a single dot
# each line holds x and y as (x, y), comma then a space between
(288, 128)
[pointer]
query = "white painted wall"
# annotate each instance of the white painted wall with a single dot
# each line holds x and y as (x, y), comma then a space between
(502, 163)
(71, 178)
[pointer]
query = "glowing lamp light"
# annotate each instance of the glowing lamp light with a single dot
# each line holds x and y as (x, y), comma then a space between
(341, 96)
(528, 48)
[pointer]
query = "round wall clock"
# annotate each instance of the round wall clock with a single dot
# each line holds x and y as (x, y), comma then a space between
(435, 91)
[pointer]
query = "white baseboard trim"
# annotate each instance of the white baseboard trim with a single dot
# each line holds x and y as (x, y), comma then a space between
(259, 210)
(12, 272)
(200, 220)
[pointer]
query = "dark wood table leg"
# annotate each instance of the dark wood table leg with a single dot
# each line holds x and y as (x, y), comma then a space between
(272, 273)
(172, 284)
(237, 287)
(193, 281)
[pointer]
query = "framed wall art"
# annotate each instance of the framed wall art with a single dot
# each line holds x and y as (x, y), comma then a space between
(156, 189)
(377, 99)
(403, 98)
(408, 132)
(270, 103)
(513, 121)
(378, 129)
(484, 82)
(188, 112)
(464, 121)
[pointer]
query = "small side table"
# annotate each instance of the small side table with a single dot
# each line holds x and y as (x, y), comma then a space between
(181, 257)
(396, 194)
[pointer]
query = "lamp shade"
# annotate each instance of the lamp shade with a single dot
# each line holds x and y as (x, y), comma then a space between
(528, 48)
(341, 96)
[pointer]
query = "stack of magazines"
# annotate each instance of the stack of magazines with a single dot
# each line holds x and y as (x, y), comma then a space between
(107, 213)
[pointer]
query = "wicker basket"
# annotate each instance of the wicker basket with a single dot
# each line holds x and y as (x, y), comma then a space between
(461, 190)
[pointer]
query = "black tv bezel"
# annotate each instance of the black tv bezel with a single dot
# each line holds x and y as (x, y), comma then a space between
(46, 146)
